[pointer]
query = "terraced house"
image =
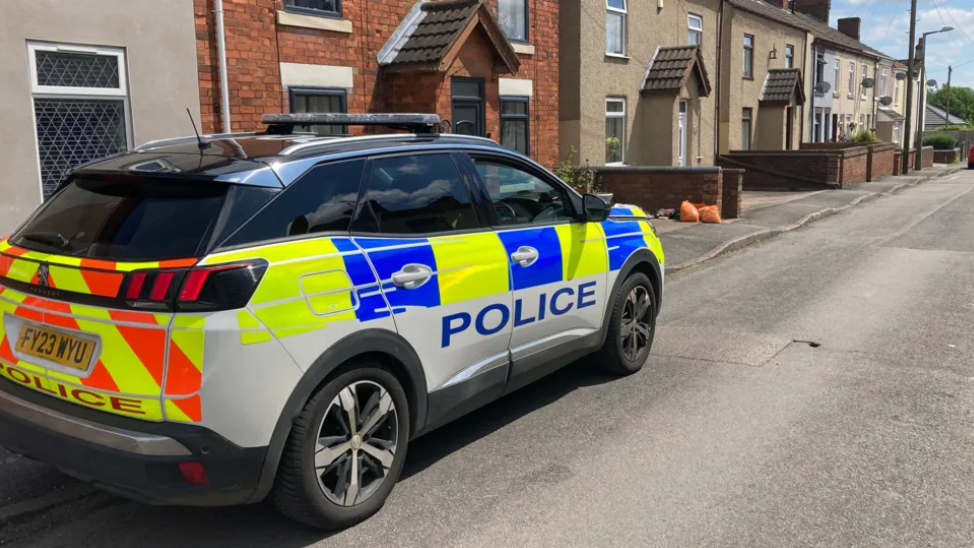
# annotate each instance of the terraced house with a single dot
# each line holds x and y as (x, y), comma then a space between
(489, 67)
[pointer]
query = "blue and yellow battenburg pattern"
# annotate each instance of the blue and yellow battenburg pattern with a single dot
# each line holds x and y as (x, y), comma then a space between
(313, 283)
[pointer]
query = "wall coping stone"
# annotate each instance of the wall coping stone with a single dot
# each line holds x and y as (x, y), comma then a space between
(658, 169)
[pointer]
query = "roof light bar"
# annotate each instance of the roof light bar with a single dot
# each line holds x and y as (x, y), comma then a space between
(284, 123)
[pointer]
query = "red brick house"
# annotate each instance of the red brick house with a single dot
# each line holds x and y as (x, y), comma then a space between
(488, 66)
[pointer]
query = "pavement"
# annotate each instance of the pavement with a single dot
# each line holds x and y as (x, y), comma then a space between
(816, 390)
(770, 214)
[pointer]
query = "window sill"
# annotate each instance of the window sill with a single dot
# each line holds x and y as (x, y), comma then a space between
(314, 22)
(617, 56)
(751, 78)
(523, 49)
(616, 164)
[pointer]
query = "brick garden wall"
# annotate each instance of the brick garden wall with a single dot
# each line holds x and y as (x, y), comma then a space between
(654, 188)
(256, 45)
(946, 156)
(732, 186)
(880, 160)
(784, 170)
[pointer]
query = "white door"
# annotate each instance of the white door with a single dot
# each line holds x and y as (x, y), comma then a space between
(683, 133)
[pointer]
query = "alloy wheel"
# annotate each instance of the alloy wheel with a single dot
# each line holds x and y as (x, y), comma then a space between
(356, 443)
(636, 328)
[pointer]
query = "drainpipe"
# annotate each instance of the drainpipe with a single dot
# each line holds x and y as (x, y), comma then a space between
(811, 108)
(720, 37)
(221, 48)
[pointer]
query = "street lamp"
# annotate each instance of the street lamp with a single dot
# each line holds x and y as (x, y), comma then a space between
(921, 106)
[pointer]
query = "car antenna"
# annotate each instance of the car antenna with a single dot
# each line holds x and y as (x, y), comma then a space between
(201, 143)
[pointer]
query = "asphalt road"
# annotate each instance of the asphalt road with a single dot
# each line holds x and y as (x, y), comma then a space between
(739, 432)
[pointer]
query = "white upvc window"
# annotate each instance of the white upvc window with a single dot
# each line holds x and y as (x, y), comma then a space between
(852, 78)
(694, 30)
(789, 56)
(615, 27)
(884, 83)
(81, 106)
(615, 131)
(835, 84)
(862, 88)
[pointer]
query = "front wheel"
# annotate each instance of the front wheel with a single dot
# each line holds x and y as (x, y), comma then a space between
(632, 327)
(346, 450)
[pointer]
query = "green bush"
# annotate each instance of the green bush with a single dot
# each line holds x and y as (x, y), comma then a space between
(940, 142)
(582, 179)
(865, 137)
(957, 128)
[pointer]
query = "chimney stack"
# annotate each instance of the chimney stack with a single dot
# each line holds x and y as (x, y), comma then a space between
(850, 27)
(819, 9)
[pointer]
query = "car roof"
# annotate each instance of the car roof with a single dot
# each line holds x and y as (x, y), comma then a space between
(262, 159)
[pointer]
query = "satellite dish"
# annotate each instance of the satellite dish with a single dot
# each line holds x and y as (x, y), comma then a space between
(886, 101)
(868, 83)
(823, 87)
(931, 83)
(901, 76)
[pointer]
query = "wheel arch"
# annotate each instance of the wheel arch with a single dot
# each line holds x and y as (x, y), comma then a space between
(642, 260)
(386, 346)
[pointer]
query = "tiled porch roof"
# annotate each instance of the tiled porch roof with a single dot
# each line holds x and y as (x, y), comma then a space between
(671, 68)
(781, 85)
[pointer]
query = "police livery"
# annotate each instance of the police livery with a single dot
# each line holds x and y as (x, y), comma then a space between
(221, 320)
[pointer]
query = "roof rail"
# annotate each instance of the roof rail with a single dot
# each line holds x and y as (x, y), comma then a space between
(190, 139)
(283, 124)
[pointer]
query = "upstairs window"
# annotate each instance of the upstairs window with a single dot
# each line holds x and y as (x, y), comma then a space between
(512, 15)
(862, 88)
(884, 84)
(327, 8)
(852, 78)
(748, 56)
(615, 27)
(790, 57)
(694, 30)
(835, 83)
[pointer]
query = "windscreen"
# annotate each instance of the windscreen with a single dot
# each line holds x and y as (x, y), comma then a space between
(126, 219)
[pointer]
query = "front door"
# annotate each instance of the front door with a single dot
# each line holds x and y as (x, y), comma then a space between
(558, 265)
(683, 133)
(789, 128)
(468, 106)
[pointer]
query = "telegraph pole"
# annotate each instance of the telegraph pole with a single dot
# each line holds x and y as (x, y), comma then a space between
(950, 71)
(908, 134)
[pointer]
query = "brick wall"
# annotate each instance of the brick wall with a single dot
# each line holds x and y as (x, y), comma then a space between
(785, 170)
(898, 161)
(880, 161)
(654, 188)
(732, 185)
(946, 156)
(256, 45)
(854, 165)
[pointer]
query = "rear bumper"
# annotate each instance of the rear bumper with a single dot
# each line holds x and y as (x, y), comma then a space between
(126, 457)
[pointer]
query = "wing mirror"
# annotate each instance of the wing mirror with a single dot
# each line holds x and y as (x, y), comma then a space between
(595, 209)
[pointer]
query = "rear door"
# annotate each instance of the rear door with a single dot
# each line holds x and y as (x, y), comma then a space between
(558, 264)
(443, 271)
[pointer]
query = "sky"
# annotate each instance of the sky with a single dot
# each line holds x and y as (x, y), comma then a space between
(886, 27)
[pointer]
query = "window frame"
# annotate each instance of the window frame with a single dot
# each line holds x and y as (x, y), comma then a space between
(837, 68)
(337, 14)
(624, 115)
(527, 23)
(315, 91)
(865, 74)
(748, 69)
(624, 12)
(750, 127)
(574, 199)
(884, 88)
(38, 91)
(476, 197)
(790, 56)
(852, 78)
(691, 31)
(526, 117)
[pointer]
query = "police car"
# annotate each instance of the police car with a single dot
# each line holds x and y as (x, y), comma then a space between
(222, 320)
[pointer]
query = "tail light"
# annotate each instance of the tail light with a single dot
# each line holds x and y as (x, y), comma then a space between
(201, 289)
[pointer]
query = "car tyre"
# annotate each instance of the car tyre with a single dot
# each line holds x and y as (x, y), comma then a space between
(334, 475)
(632, 327)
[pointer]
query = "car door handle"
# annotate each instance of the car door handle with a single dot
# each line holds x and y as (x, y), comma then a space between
(412, 276)
(525, 256)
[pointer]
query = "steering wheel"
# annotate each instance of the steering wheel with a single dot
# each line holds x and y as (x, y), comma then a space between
(499, 206)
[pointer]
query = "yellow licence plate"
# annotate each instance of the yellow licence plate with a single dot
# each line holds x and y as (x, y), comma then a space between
(61, 348)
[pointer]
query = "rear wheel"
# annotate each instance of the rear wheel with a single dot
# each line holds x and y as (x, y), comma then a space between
(346, 450)
(632, 327)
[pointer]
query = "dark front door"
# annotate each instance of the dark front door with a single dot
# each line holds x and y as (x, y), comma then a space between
(468, 106)
(789, 128)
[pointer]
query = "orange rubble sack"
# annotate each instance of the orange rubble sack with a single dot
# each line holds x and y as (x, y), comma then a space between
(688, 213)
(710, 214)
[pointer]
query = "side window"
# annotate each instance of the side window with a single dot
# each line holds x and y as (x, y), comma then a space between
(323, 200)
(420, 194)
(521, 198)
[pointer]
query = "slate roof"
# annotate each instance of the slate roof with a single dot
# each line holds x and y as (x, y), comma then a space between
(429, 32)
(671, 68)
(937, 118)
(780, 86)
(800, 21)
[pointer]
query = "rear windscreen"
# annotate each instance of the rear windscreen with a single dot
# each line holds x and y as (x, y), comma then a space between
(123, 219)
